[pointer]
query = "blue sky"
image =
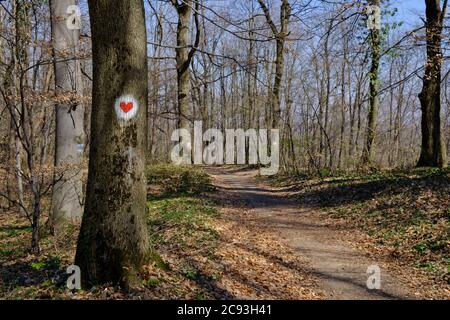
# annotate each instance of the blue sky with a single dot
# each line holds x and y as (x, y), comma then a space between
(410, 11)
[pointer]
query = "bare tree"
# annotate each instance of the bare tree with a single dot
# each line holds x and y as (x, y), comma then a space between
(280, 34)
(69, 136)
(30, 119)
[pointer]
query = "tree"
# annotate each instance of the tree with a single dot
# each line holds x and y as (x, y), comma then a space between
(280, 38)
(113, 240)
(29, 118)
(184, 55)
(69, 135)
(433, 151)
(372, 115)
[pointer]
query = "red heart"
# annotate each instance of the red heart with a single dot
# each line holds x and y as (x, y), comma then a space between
(126, 106)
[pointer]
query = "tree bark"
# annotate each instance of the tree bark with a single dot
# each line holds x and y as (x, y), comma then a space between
(113, 241)
(372, 115)
(184, 56)
(67, 193)
(433, 151)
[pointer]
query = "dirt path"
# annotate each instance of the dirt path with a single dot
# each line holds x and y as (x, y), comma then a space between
(341, 270)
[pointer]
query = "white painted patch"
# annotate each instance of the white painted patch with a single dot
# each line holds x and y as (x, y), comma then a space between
(126, 108)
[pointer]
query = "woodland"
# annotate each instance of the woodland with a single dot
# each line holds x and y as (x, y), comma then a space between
(92, 91)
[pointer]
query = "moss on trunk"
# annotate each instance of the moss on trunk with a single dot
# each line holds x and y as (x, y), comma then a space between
(113, 241)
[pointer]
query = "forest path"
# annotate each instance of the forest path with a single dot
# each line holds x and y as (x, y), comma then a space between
(341, 270)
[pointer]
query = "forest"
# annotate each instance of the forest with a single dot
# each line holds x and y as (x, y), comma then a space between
(224, 150)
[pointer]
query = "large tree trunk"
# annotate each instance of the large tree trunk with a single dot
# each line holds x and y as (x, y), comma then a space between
(184, 55)
(372, 115)
(433, 151)
(113, 241)
(67, 193)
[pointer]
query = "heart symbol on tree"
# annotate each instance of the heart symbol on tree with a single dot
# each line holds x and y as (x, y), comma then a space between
(126, 106)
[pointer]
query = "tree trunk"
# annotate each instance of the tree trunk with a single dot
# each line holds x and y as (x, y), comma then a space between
(69, 136)
(184, 56)
(433, 151)
(280, 37)
(113, 241)
(279, 69)
(372, 116)
(343, 80)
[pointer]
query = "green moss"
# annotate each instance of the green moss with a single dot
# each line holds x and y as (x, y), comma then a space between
(159, 262)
